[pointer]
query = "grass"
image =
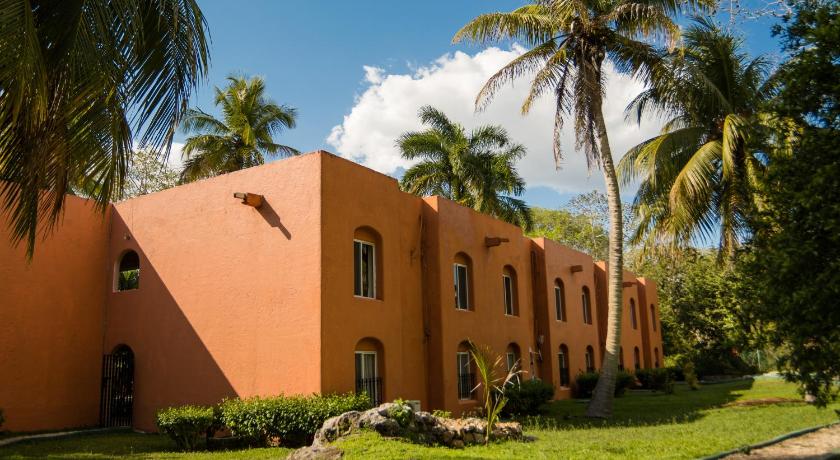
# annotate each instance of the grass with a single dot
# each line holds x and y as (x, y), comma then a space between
(688, 424)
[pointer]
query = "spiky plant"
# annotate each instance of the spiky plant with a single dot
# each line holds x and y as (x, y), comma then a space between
(495, 382)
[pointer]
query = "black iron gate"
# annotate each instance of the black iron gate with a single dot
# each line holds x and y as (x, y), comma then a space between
(117, 398)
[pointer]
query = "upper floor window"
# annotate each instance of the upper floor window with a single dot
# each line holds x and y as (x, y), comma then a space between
(653, 316)
(461, 272)
(128, 272)
(633, 314)
(510, 291)
(590, 359)
(367, 263)
(587, 306)
(559, 301)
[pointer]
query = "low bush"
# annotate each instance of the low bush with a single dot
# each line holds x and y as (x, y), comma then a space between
(188, 426)
(691, 376)
(439, 413)
(655, 379)
(292, 419)
(623, 381)
(585, 383)
(527, 397)
(401, 412)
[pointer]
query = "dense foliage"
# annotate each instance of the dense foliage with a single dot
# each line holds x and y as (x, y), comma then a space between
(585, 383)
(659, 379)
(526, 398)
(793, 267)
(293, 419)
(188, 426)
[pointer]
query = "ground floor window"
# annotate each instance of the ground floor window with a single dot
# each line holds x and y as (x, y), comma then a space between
(590, 359)
(563, 361)
(367, 376)
(466, 379)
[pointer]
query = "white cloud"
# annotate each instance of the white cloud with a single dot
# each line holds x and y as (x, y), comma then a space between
(388, 107)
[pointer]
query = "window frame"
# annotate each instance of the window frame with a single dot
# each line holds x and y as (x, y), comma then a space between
(633, 321)
(357, 265)
(508, 293)
(455, 267)
(560, 302)
(586, 304)
(589, 359)
(463, 366)
(364, 353)
(563, 364)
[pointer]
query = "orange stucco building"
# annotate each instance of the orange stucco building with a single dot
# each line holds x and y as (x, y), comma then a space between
(337, 281)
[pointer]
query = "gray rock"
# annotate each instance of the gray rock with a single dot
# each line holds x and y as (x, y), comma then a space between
(316, 453)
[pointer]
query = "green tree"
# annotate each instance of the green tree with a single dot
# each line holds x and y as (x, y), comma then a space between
(243, 138)
(698, 177)
(148, 174)
(574, 230)
(794, 262)
(81, 83)
(569, 43)
(476, 169)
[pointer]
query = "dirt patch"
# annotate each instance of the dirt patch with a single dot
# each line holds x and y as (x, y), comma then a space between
(764, 402)
(818, 445)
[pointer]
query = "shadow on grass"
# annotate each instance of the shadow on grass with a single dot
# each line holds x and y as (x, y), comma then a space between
(641, 409)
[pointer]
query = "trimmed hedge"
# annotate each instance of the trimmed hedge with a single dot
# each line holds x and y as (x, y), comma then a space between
(527, 397)
(585, 383)
(656, 379)
(293, 419)
(188, 425)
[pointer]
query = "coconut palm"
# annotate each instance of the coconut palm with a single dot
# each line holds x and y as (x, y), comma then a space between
(476, 169)
(569, 42)
(243, 138)
(697, 176)
(80, 84)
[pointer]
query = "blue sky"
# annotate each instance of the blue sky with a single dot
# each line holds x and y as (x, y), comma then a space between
(313, 54)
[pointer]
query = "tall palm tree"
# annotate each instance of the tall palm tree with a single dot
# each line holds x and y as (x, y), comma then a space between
(80, 84)
(569, 42)
(245, 136)
(476, 169)
(697, 176)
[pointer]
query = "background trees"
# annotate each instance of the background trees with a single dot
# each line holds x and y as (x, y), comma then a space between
(82, 82)
(243, 138)
(476, 169)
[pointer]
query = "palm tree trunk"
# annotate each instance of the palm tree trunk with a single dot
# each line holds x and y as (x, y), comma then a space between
(602, 397)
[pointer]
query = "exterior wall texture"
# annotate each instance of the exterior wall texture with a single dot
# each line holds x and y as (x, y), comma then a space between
(240, 301)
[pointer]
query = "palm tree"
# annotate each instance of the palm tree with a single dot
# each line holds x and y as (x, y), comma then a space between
(244, 138)
(80, 84)
(697, 176)
(476, 169)
(569, 41)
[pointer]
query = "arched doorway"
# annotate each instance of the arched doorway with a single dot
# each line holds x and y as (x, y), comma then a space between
(117, 397)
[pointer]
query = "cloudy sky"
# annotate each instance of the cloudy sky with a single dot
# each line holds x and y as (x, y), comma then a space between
(358, 72)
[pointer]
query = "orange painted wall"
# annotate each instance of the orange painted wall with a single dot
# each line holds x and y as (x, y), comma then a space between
(51, 323)
(229, 297)
(574, 333)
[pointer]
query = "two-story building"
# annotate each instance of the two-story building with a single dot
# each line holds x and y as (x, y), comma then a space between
(307, 275)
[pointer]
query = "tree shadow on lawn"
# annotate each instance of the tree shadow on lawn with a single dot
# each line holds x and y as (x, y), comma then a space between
(642, 409)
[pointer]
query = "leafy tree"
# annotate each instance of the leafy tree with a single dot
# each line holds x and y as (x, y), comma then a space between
(698, 176)
(148, 174)
(574, 230)
(243, 138)
(81, 82)
(476, 169)
(569, 43)
(794, 262)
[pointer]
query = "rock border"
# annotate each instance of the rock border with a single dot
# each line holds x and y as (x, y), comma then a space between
(770, 442)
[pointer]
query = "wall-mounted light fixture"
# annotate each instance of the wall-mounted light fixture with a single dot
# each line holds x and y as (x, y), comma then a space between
(251, 199)
(577, 268)
(628, 284)
(491, 241)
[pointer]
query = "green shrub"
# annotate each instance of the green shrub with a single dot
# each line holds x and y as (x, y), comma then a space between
(442, 413)
(676, 373)
(401, 412)
(188, 426)
(527, 397)
(655, 379)
(585, 383)
(623, 381)
(293, 419)
(691, 376)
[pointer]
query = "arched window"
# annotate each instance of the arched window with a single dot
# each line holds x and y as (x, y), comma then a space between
(633, 314)
(587, 306)
(369, 369)
(559, 300)
(466, 374)
(621, 358)
(653, 316)
(367, 263)
(589, 359)
(656, 357)
(513, 359)
(462, 274)
(637, 362)
(510, 291)
(128, 272)
(563, 363)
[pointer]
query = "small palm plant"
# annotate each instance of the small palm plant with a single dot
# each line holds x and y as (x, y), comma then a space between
(495, 383)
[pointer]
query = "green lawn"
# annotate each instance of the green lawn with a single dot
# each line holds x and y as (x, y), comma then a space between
(688, 424)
